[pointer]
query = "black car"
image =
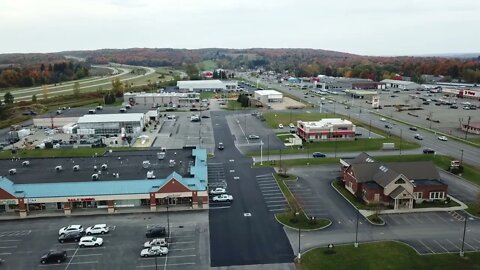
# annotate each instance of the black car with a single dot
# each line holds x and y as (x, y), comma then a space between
(54, 256)
(71, 237)
(388, 126)
(428, 151)
(156, 232)
(318, 155)
(413, 128)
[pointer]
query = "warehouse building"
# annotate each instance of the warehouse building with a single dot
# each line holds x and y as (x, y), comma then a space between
(268, 96)
(327, 129)
(122, 180)
(207, 85)
(402, 85)
(166, 99)
(338, 84)
(111, 124)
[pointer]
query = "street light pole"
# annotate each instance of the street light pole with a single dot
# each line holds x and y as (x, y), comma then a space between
(168, 220)
(356, 233)
(461, 159)
(462, 252)
(370, 128)
(261, 152)
(401, 130)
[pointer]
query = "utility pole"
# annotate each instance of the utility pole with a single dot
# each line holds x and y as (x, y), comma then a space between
(461, 159)
(356, 233)
(462, 252)
(370, 128)
(468, 125)
(401, 139)
(268, 147)
(261, 152)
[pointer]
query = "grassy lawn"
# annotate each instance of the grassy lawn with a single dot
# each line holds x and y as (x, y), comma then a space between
(474, 209)
(290, 218)
(234, 105)
(207, 95)
(376, 219)
(63, 152)
(385, 255)
(297, 162)
(450, 203)
(207, 65)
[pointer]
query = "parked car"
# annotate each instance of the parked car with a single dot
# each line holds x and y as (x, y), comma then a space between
(388, 126)
(70, 228)
(223, 198)
(383, 119)
(418, 137)
(217, 191)
(71, 236)
(318, 155)
(280, 126)
(97, 229)
(90, 241)
(162, 242)
(220, 146)
(253, 137)
(156, 231)
(54, 256)
(154, 251)
(443, 138)
(413, 128)
(428, 151)
(291, 125)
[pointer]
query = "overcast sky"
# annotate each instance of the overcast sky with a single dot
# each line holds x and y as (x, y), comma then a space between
(368, 27)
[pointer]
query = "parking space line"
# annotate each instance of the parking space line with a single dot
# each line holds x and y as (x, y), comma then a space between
(468, 244)
(426, 246)
(1, 241)
(184, 242)
(71, 259)
(440, 216)
(5, 253)
(418, 219)
(453, 244)
(82, 255)
(182, 256)
(274, 201)
(440, 245)
(428, 217)
(181, 249)
(179, 264)
(9, 247)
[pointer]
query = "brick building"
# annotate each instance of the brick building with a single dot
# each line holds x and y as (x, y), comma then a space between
(395, 184)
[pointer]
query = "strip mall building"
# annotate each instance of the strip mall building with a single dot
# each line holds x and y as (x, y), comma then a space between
(173, 190)
(327, 129)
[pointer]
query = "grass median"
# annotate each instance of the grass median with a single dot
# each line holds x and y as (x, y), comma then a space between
(296, 218)
(384, 255)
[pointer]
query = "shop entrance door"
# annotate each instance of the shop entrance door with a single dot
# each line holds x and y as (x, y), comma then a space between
(172, 201)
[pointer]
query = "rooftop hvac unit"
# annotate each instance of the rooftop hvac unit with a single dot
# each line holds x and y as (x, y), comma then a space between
(58, 168)
(76, 168)
(150, 175)
(26, 163)
(171, 163)
(94, 176)
(104, 167)
(146, 164)
(12, 171)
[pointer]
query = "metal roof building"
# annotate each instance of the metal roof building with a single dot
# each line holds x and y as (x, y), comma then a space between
(111, 124)
(207, 85)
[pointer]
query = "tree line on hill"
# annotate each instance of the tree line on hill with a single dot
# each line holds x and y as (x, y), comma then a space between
(38, 74)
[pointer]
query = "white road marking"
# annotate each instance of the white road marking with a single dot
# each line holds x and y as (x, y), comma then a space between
(440, 245)
(426, 246)
(9, 247)
(457, 247)
(71, 259)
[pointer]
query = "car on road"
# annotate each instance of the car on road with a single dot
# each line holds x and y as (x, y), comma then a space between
(223, 198)
(71, 237)
(253, 137)
(280, 126)
(205, 116)
(162, 242)
(413, 128)
(428, 151)
(383, 119)
(220, 146)
(318, 155)
(90, 241)
(218, 191)
(156, 231)
(418, 137)
(291, 125)
(154, 251)
(97, 229)
(443, 138)
(54, 256)
(70, 228)
(388, 126)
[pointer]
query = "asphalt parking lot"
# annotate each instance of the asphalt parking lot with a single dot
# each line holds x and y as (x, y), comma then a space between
(23, 242)
(273, 196)
(181, 131)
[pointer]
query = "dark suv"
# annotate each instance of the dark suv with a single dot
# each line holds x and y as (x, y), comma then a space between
(54, 256)
(71, 237)
(156, 232)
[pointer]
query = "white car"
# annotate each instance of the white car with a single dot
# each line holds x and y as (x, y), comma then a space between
(291, 125)
(280, 126)
(97, 229)
(223, 198)
(156, 242)
(70, 228)
(383, 119)
(90, 241)
(443, 138)
(253, 137)
(154, 251)
(217, 191)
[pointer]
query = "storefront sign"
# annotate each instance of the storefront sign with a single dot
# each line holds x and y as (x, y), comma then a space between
(81, 199)
(31, 200)
(8, 201)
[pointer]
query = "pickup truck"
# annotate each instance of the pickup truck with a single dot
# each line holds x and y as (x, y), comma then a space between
(223, 198)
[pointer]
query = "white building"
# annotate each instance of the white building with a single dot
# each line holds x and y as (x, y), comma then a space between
(268, 96)
(111, 124)
(167, 99)
(403, 85)
(207, 85)
(326, 130)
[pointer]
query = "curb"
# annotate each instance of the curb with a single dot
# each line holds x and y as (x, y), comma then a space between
(305, 230)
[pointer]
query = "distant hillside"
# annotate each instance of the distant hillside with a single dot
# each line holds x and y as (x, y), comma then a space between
(299, 62)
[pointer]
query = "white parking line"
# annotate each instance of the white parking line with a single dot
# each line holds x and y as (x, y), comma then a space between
(426, 246)
(88, 255)
(5, 253)
(178, 264)
(189, 242)
(9, 247)
(457, 247)
(274, 201)
(440, 245)
(273, 197)
(183, 256)
(468, 244)
(431, 219)
(440, 216)
(181, 249)
(1, 241)
(71, 259)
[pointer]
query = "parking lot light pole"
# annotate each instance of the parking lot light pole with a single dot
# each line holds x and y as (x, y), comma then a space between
(156, 265)
(462, 252)
(461, 159)
(168, 220)
(401, 130)
(299, 256)
(261, 152)
(356, 233)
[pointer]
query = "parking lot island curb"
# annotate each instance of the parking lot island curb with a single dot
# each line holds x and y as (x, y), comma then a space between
(306, 230)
